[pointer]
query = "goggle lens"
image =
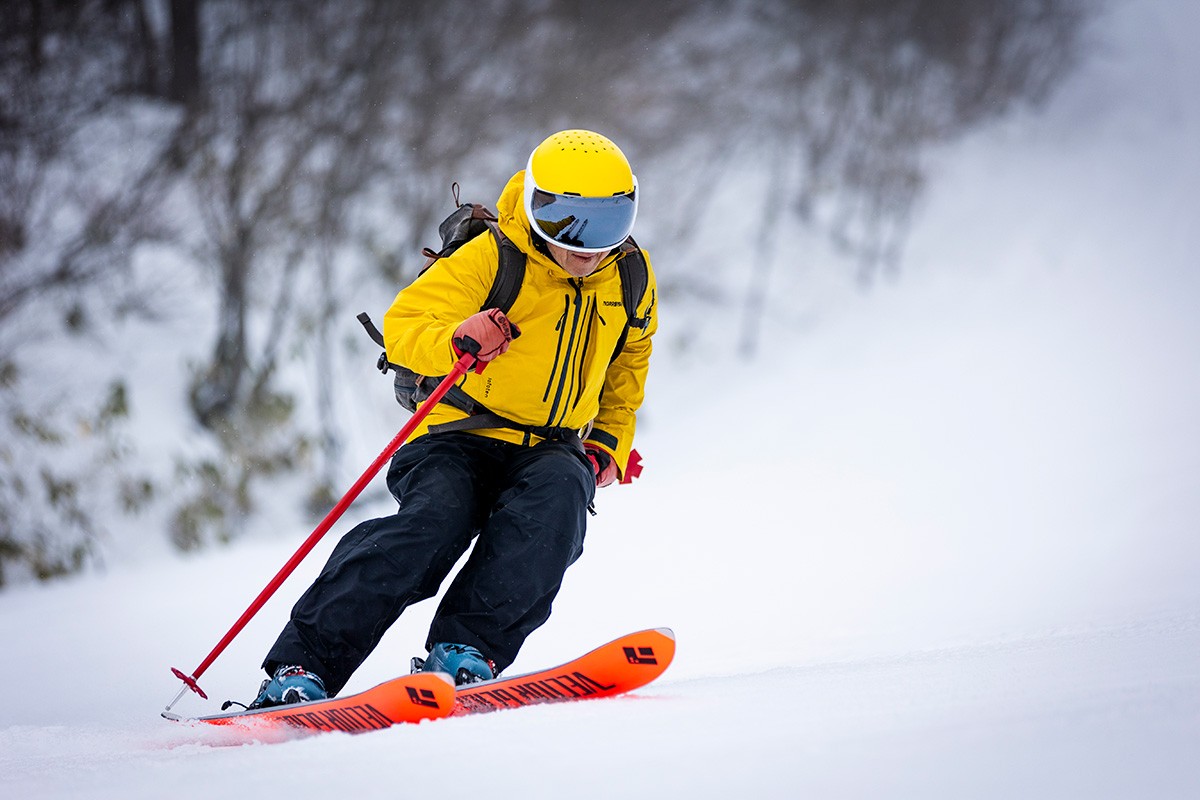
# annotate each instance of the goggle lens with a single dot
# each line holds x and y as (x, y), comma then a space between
(592, 223)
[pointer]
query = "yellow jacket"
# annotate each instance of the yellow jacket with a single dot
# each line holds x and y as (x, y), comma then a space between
(558, 372)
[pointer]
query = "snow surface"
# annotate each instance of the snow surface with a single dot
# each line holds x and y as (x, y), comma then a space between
(948, 547)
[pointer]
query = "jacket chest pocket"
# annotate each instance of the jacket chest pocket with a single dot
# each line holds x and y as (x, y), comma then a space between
(611, 320)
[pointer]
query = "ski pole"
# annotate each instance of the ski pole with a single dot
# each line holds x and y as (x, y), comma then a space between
(460, 368)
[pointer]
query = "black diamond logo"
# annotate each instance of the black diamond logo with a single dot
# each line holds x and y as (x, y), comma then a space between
(640, 655)
(422, 697)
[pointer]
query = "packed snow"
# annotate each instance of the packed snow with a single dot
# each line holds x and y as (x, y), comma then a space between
(941, 542)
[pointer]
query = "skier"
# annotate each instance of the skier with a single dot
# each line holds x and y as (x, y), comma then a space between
(565, 392)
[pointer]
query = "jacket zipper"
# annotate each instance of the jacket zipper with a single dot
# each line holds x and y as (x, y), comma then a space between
(558, 348)
(589, 314)
(566, 361)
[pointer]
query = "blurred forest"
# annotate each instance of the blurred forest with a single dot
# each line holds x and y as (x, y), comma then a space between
(294, 156)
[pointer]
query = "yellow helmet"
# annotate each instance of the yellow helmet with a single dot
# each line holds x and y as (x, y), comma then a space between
(580, 192)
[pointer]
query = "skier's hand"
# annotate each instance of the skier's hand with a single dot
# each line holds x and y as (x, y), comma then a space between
(602, 464)
(485, 335)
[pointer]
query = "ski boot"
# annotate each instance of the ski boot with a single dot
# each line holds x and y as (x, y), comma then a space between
(289, 685)
(461, 661)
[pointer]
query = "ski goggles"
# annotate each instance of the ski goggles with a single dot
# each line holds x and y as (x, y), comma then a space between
(582, 224)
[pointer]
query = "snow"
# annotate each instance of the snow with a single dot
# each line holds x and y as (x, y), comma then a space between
(944, 546)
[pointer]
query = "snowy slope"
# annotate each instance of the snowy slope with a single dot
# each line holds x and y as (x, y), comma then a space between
(947, 547)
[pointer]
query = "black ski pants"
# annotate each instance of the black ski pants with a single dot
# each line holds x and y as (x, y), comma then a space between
(528, 508)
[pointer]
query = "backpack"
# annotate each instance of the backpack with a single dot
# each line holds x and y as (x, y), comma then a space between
(467, 221)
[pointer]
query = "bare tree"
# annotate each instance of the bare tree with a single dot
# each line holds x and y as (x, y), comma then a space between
(185, 51)
(67, 231)
(307, 110)
(859, 91)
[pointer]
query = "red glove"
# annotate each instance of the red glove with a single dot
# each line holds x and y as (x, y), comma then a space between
(485, 335)
(602, 464)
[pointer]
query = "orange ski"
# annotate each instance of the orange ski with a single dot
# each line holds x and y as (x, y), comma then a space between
(412, 698)
(615, 668)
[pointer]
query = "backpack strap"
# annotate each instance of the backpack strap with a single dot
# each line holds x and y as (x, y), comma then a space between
(635, 277)
(510, 272)
(372, 331)
(382, 364)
